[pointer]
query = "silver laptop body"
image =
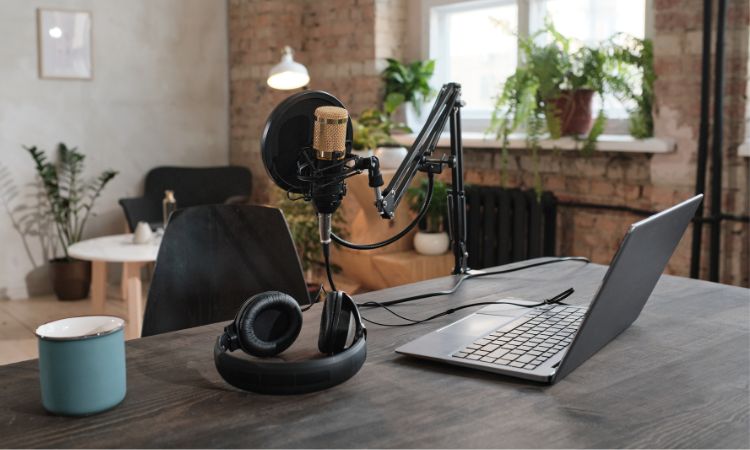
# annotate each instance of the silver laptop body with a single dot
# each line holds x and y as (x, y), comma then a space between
(547, 343)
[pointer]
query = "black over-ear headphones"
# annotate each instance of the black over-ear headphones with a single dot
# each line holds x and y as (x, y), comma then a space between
(268, 323)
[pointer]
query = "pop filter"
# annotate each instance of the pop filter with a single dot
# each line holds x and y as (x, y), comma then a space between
(288, 131)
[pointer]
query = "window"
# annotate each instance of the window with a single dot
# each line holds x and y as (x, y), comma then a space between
(474, 42)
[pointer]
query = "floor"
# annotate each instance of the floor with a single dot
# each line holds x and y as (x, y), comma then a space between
(19, 319)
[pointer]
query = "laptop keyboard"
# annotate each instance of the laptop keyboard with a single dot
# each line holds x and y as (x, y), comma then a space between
(534, 339)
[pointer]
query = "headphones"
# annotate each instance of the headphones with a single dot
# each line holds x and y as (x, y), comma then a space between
(268, 323)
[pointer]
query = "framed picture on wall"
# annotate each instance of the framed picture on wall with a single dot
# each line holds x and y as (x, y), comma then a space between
(64, 44)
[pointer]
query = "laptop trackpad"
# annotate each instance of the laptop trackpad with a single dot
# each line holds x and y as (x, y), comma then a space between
(476, 325)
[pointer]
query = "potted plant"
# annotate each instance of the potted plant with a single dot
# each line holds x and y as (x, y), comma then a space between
(70, 201)
(409, 85)
(303, 224)
(552, 89)
(373, 131)
(431, 237)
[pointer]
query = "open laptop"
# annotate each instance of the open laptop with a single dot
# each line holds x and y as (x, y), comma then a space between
(548, 342)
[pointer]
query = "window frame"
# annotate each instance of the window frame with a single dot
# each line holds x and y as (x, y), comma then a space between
(427, 23)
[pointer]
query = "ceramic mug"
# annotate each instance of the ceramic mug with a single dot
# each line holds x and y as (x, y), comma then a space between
(82, 364)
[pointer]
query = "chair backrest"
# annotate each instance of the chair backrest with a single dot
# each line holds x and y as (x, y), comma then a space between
(213, 258)
(195, 186)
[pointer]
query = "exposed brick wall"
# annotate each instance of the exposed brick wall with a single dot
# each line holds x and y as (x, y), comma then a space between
(335, 39)
(652, 182)
(344, 42)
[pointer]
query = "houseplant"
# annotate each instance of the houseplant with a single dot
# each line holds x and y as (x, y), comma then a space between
(408, 84)
(70, 201)
(405, 85)
(431, 237)
(551, 90)
(373, 131)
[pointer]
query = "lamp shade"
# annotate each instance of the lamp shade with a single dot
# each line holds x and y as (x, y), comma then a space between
(288, 74)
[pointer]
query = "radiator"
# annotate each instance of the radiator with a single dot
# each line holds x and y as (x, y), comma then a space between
(507, 225)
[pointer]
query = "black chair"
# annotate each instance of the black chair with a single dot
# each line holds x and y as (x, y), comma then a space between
(213, 258)
(192, 186)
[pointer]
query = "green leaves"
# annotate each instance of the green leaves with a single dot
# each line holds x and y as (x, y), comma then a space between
(410, 82)
(621, 66)
(70, 197)
(303, 224)
(373, 128)
(438, 205)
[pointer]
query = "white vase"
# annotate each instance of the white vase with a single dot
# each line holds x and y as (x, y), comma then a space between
(142, 234)
(431, 243)
(390, 157)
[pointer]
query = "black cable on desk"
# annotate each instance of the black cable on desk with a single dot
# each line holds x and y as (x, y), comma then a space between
(464, 277)
(551, 301)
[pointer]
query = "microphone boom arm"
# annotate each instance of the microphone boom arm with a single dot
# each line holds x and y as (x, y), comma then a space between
(447, 108)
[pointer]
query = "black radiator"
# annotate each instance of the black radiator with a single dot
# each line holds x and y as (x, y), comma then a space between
(507, 225)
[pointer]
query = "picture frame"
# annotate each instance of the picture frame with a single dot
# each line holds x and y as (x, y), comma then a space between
(64, 44)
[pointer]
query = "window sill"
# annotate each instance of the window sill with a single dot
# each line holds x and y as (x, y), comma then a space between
(606, 143)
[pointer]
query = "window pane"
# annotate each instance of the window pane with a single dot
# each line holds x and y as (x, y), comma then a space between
(591, 21)
(474, 46)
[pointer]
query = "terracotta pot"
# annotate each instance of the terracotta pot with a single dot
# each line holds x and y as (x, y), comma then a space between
(71, 278)
(573, 110)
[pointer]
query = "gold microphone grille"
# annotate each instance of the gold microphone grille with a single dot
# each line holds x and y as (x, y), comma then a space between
(329, 132)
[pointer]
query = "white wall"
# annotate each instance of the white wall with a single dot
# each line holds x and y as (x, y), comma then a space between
(159, 96)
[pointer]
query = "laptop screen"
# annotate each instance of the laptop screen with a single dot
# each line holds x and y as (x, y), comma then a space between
(632, 276)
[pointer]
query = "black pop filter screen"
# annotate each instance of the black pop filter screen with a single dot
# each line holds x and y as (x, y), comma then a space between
(288, 132)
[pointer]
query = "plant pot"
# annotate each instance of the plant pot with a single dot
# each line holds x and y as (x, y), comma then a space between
(573, 111)
(390, 157)
(71, 278)
(431, 243)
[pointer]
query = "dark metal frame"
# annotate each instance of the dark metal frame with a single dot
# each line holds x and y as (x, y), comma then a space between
(716, 216)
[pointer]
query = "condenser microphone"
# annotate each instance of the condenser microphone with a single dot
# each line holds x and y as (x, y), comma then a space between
(329, 148)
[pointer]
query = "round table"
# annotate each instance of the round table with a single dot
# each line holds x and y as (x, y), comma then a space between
(117, 248)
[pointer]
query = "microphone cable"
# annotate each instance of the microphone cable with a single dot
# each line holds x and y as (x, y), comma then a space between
(469, 276)
(551, 301)
(400, 234)
(327, 258)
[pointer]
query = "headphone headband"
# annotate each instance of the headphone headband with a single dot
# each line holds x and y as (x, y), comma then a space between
(296, 377)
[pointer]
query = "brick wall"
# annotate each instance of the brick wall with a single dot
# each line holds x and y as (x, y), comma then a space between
(652, 182)
(344, 42)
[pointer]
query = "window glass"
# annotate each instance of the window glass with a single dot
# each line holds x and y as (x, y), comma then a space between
(473, 46)
(474, 42)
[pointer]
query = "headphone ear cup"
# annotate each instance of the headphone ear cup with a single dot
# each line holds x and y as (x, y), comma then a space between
(334, 324)
(268, 323)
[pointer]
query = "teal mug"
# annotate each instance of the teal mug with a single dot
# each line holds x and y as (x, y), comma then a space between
(82, 364)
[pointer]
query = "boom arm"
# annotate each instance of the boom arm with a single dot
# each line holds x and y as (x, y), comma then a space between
(448, 100)
(447, 106)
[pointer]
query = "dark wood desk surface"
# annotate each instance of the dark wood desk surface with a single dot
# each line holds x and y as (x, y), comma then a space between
(677, 378)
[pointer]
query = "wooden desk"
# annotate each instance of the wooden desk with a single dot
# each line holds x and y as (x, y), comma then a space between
(677, 378)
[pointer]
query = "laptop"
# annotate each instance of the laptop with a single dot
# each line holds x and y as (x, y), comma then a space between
(548, 342)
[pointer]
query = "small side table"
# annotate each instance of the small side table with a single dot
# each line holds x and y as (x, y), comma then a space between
(117, 248)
